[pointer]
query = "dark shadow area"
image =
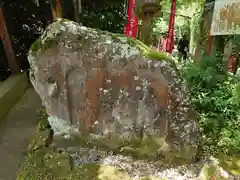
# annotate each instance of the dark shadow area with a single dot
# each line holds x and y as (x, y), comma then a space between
(102, 14)
(25, 22)
(68, 10)
(4, 70)
(99, 14)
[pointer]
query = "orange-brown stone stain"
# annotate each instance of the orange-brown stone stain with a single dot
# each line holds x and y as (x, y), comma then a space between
(161, 92)
(124, 79)
(93, 101)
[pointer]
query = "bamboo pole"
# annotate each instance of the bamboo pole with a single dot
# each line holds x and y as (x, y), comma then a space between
(7, 44)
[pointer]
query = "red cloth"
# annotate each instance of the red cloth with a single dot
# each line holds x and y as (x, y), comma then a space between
(127, 27)
(232, 63)
(164, 44)
(170, 41)
(131, 27)
(134, 27)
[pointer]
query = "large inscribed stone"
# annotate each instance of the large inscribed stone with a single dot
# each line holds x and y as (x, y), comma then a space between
(113, 88)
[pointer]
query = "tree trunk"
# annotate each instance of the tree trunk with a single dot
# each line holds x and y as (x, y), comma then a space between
(227, 53)
(206, 41)
(192, 35)
(194, 26)
(56, 9)
(219, 42)
(4, 36)
(78, 10)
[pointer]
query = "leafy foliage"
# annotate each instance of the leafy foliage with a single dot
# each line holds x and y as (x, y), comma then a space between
(216, 96)
(185, 10)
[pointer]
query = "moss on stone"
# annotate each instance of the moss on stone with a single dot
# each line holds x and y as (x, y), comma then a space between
(143, 148)
(230, 163)
(46, 164)
(60, 164)
(221, 168)
(208, 172)
(48, 38)
(144, 49)
(149, 52)
(135, 147)
(43, 163)
(43, 135)
(67, 20)
(151, 148)
(40, 140)
(42, 120)
(36, 45)
(150, 178)
(39, 44)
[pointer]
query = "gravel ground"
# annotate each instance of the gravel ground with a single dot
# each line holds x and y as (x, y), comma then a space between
(136, 168)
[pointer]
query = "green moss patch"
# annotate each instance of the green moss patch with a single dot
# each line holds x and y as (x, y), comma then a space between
(222, 168)
(36, 45)
(39, 44)
(150, 178)
(151, 148)
(231, 164)
(149, 52)
(144, 49)
(49, 37)
(44, 163)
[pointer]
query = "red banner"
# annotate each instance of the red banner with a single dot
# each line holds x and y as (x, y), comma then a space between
(131, 27)
(170, 41)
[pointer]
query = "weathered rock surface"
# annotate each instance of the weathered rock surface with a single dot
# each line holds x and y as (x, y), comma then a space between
(74, 163)
(113, 90)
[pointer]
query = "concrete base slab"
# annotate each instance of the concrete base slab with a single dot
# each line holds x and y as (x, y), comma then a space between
(11, 91)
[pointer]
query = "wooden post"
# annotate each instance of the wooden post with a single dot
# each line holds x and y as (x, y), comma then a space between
(7, 44)
(56, 9)
(228, 50)
(205, 41)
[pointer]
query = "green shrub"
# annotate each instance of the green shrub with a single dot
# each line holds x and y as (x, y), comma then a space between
(216, 96)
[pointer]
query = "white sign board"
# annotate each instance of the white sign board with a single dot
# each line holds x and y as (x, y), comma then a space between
(226, 17)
